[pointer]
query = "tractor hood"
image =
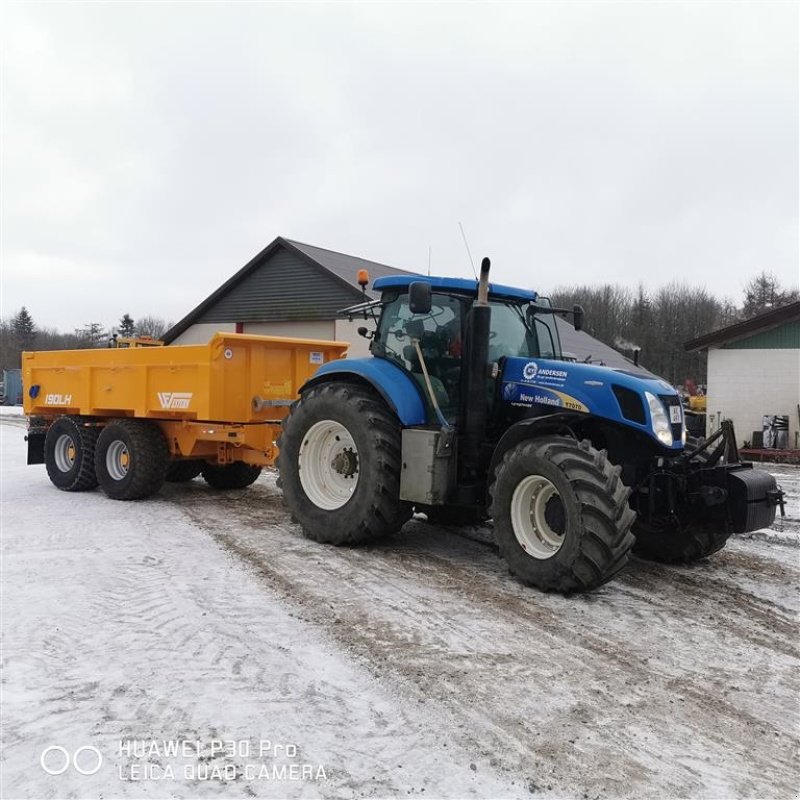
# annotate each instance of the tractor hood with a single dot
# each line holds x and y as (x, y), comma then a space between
(649, 405)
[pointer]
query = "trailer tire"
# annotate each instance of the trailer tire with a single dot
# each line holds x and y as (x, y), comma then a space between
(131, 459)
(561, 515)
(674, 544)
(182, 471)
(69, 447)
(350, 491)
(238, 475)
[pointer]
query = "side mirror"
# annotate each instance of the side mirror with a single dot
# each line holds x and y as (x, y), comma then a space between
(419, 297)
(577, 317)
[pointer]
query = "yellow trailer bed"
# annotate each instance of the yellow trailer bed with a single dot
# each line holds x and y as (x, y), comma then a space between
(218, 404)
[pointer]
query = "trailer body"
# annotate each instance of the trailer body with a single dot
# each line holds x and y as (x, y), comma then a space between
(222, 401)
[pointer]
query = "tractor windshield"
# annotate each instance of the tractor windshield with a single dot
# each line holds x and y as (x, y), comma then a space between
(517, 332)
(509, 334)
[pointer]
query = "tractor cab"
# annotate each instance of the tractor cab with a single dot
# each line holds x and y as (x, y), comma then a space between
(423, 326)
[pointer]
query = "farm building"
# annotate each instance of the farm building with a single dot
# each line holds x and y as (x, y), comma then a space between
(754, 372)
(296, 289)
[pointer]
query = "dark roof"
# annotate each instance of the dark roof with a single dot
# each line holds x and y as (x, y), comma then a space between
(315, 262)
(741, 330)
(344, 266)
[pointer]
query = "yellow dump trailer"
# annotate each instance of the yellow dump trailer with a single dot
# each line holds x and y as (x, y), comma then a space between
(130, 418)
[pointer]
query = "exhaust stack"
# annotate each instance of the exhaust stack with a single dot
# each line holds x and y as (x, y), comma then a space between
(477, 362)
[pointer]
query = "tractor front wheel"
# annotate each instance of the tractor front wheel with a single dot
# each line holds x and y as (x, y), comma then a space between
(561, 516)
(339, 466)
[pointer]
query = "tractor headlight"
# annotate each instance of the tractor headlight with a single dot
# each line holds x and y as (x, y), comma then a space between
(659, 420)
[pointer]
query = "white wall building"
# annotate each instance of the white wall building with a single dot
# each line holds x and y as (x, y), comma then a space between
(754, 371)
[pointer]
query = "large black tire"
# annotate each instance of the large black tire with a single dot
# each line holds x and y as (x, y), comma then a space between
(231, 476)
(676, 544)
(182, 471)
(69, 454)
(568, 503)
(131, 459)
(366, 453)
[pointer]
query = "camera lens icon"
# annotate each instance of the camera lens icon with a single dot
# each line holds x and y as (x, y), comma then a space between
(56, 760)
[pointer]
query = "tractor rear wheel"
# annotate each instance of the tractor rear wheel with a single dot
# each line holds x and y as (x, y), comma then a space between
(561, 515)
(675, 544)
(238, 475)
(182, 471)
(69, 454)
(339, 466)
(131, 459)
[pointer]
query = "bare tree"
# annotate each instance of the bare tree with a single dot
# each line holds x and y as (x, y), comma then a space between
(152, 326)
(763, 293)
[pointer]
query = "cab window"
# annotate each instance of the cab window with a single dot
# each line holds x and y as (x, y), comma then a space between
(509, 334)
(440, 335)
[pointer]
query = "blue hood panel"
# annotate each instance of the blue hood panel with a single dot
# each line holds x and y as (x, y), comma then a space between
(563, 385)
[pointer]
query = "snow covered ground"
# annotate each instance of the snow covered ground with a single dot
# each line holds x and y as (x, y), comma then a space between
(416, 668)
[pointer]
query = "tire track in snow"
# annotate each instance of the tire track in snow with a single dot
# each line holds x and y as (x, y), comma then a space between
(438, 616)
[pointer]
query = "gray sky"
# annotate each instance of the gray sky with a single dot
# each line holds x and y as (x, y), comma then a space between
(150, 150)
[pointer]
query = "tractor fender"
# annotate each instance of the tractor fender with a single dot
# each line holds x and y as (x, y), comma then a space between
(529, 428)
(400, 391)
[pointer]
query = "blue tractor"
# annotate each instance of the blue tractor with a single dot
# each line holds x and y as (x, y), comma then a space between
(466, 410)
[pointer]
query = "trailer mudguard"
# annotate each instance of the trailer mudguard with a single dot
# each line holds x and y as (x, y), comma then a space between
(394, 384)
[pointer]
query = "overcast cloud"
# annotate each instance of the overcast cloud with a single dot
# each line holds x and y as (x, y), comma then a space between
(150, 150)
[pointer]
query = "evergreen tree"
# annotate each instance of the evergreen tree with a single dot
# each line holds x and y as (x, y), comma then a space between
(24, 329)
(126, 326)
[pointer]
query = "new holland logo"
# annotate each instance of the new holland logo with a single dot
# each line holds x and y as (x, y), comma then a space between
(175, 401)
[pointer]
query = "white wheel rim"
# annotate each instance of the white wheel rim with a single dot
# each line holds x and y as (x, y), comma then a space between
(117, 460)
(529, 506)
(64, 452)
(328, 465)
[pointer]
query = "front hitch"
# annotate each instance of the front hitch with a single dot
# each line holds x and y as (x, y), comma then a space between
(726, 448)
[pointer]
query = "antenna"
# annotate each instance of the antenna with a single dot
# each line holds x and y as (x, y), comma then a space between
(429, 261)
(464, 237)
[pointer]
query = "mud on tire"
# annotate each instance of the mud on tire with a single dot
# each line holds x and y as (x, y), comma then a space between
(568, 502)
(131, 459)
(238, 475)
(367, 453)
(69, 447)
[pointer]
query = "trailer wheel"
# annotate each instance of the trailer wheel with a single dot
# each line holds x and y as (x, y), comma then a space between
(339, 466)
(69, 454)
(230, 476)
(673, 544)
(182, 471)
(131, 459)
(561, 516)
